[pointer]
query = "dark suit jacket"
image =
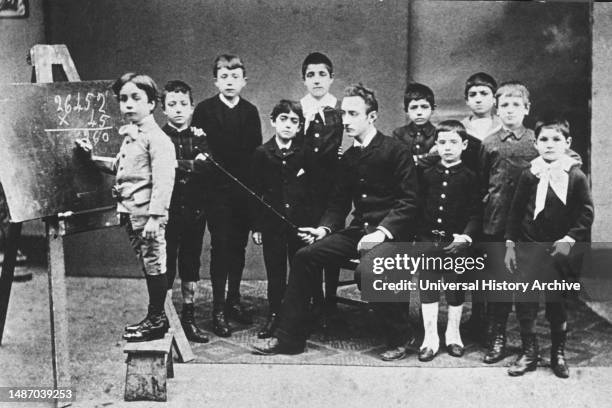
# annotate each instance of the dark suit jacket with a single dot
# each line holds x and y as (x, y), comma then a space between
(380, 181)
(232, 135)
(321, 143)
(282, 181)
(190, 183)
(556, 219)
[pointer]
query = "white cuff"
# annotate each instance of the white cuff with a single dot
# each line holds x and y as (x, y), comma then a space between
(571, 241)
(466, 237)
(385, 231)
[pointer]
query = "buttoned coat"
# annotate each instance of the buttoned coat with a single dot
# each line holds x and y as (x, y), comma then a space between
(322, 140)
(281, 180)
(380, 181)
(190, 183)
(144, 171)
(450, 201)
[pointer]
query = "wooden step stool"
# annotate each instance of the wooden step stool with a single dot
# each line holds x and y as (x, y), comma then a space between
(149, 364)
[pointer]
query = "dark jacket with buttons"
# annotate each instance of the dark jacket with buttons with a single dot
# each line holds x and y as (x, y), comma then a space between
(418, 139)
(190, 188)
(380, 181)
(450, 201)
(280, 178)
(556, 220)
(321, 143)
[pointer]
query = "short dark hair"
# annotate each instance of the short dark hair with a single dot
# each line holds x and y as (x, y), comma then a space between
(452, 126)
(415, 91)
(175, 86)
(553, 121)
(480, 79)
(317, 58)
(364, 93)
(142, 81)
(228, 61)
(287, 106)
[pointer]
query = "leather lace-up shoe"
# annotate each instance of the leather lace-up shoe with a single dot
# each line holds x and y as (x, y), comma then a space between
(267, 329)
(426, 354)
(272, 346)
(395, 353)
(497, 346)
(528, 359)
(557, 355)
(220, 325)
(455, 350)
(153, 328)
(192, 332)
(130, 328)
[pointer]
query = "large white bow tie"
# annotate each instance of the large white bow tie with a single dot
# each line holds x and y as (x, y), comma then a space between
(555, 175)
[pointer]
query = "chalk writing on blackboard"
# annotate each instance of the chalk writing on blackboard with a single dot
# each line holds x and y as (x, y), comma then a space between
(39, 169)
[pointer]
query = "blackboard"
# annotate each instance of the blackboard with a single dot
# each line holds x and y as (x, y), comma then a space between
(40, 169)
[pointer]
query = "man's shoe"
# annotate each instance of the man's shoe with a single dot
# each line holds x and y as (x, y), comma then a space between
(395, 353)
(155, 327)
(220, 325)
(455, 350)
(130, 328)
(238, 313)
(272, 346)
(426, 354)
(557, 354)
(268, 329)
(192, 332)
(528, 359)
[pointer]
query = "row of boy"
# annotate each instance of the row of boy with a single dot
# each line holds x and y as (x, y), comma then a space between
(448, 162)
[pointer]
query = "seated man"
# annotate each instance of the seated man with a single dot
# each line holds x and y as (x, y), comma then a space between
(377, 176)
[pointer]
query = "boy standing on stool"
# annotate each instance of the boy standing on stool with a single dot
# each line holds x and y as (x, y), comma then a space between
(233, 131)
(186, 221)
(322, 141)
(144, 169)
(552, 204)
(280, 179)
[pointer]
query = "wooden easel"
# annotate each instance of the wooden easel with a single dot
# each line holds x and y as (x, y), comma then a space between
(44, 58)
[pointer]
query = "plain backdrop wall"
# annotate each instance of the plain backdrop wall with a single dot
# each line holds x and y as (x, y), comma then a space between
(17, 36)
(366, 40)
(546, 45)
(601, 139)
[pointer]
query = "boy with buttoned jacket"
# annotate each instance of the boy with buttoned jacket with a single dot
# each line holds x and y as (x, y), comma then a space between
(281, 180)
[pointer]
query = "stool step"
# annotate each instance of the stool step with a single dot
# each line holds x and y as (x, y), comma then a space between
(149, 365)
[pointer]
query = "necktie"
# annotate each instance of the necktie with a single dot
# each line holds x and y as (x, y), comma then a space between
(553, 174)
